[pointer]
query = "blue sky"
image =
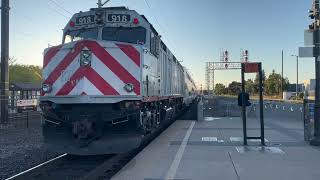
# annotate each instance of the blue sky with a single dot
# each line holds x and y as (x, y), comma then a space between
(195, 31)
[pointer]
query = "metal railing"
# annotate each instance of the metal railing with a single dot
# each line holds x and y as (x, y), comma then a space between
(24, 119)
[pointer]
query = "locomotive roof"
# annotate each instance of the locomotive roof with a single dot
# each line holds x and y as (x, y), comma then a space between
(111, 8)
(123, 8)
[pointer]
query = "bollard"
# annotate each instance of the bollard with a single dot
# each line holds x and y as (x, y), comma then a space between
(200, 111)
(27, 119)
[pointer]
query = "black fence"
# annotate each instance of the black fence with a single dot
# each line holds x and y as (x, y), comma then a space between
(25, 119)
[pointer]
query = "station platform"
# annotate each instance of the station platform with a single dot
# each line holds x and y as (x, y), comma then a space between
(213, 149)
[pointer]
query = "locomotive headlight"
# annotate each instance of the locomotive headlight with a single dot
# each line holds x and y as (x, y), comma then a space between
(85, 58)
(129, 87)
(46, 88)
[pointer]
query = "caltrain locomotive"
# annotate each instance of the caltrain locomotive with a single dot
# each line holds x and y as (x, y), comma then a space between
(111, 82)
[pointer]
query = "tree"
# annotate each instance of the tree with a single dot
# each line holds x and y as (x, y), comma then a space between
(256, 82)
(272, 85)
(219, 89)
(25, 73)
(12, 60)
(250, 86)
(234, 88)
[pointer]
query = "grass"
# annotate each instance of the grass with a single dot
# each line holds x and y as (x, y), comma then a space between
(270, 98)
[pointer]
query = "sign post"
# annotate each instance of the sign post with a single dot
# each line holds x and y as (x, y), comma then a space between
(246, 67)
(312, 40)
(252, 68)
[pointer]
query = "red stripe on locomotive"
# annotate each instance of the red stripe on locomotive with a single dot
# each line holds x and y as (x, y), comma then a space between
(114, 65)
(50, 54)
(131, 52)
(55, 74)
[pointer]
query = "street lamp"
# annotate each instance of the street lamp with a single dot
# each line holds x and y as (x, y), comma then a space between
(297, 75)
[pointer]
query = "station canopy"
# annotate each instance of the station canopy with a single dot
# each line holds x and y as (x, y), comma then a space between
(20, 86)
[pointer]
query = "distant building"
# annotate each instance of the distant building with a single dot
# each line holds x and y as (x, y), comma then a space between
(292, 88)
(310, 86)
(22, 91)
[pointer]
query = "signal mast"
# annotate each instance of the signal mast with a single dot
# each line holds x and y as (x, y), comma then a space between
(315, 29)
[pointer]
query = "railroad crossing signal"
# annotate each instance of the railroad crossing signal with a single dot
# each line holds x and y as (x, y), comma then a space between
(312, 39)
(314, 14)
(244, 56)
(312, 36)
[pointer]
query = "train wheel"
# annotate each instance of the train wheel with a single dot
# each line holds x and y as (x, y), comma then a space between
(158, 117)
(145, 122)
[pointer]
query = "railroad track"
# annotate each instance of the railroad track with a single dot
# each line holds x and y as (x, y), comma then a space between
(70, 167)
(63, 167)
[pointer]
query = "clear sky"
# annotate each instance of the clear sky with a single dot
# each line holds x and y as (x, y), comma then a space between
(195, 30)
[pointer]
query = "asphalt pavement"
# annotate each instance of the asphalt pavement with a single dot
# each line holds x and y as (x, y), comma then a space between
(213, 148)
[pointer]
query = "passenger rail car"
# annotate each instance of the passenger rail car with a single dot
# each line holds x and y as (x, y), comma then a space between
(110, 83)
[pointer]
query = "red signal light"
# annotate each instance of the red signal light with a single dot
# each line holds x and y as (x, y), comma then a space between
(72, 24)
(135, 21)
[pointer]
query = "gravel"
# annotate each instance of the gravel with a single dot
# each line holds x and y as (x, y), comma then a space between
(22, 148)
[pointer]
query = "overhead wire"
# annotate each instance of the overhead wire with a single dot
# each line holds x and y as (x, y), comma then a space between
(60, 6)
(58, 12)
(163, 29)
(29, 20)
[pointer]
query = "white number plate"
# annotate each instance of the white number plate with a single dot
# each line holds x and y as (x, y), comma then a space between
(119, 18)
(85, 20)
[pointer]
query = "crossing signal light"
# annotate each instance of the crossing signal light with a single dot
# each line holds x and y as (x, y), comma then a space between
(315, 25)
(99, 17)
(311, 26)
(312, 14)
(226, 56)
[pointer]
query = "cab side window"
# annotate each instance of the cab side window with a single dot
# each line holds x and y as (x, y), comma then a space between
(154, 44)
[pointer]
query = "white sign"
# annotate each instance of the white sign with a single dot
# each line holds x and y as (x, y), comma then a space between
(308, 38)
(27, 102)
(306, 52)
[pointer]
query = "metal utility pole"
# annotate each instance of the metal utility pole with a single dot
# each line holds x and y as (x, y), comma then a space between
(297, 75)
(4, 59)
(314, 14)
(282, 76)
(209, 77)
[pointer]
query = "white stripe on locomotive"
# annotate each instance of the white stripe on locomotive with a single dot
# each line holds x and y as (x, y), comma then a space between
(109, 76)
(66, 75)
(54, 62)
(123, 59)
(84, 85)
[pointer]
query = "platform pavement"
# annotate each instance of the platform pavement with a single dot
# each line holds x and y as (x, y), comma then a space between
(210, 150)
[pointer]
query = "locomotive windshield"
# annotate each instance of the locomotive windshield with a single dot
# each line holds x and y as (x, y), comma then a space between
(76, 35)
(136, 35)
